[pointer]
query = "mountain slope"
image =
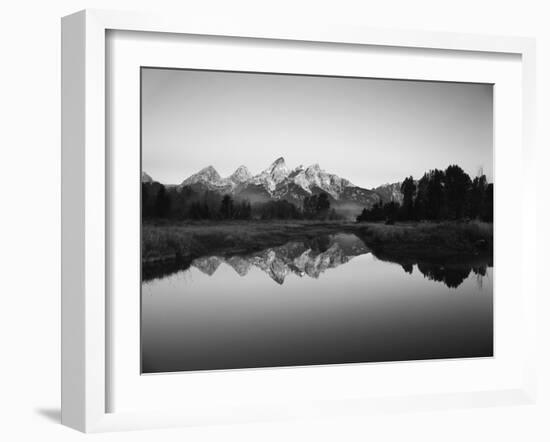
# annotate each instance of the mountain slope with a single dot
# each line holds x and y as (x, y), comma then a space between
(145, 178)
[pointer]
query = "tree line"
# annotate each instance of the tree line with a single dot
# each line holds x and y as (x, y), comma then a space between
(439, 195)
(159, 202)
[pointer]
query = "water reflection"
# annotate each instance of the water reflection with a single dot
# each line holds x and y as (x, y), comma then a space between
(302, 258)
(326, 301)
(314, 257)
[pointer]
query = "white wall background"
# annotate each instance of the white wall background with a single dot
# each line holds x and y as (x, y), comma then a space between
(30, 215)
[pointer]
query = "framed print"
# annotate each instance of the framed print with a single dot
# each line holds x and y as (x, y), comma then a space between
(266, 223)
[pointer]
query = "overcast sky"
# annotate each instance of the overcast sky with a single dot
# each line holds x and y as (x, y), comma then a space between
(366, 130)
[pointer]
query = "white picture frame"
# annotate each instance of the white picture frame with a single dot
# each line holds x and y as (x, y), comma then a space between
(85, 233)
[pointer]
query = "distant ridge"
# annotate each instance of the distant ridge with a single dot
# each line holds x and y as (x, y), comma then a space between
(279, 182)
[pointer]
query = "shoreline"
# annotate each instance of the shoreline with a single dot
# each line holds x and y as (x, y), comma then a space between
(169, 247)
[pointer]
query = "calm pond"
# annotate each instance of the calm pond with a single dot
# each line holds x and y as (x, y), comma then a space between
(326, 301)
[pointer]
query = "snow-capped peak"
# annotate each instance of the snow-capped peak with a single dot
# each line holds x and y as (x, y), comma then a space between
(273, 175)
(278, 168)
(313, 169)
(208, 175)
(313, 176)
(241, 175)
(278, 162)
(276, 179)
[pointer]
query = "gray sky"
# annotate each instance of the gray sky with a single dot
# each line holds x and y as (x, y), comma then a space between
(366, 130)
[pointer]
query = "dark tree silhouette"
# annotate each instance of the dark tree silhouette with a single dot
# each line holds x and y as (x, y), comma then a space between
(199, 211)
(146, 209)
(205, 211)
(477, 197)
(451, 276)
(408, 189)
(243, 210)
(435, 203)
(429, 202)
(310, 206)
(438, 195)
(487, 214)
(457, 186)
(279, 210)
(391, 212)
(195, 211)
(163, 203)
(317, 206)
(388, 212)
(323, 205)
(226, 207)
(363, 216)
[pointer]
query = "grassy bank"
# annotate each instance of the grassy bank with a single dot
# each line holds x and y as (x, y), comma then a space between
(444, 242)
(163, 242)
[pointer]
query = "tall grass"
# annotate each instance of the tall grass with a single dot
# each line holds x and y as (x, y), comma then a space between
(429, 239)
(169, 241)
(163, 241)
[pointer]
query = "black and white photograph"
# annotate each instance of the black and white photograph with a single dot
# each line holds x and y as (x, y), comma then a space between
(295, 220)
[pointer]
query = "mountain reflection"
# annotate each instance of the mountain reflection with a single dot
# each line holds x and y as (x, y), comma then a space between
(313, 257)
(302, 258)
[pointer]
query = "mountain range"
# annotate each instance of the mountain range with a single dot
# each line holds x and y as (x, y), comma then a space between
(279, 182)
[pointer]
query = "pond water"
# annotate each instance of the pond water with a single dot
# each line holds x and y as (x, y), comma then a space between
(326, 301)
